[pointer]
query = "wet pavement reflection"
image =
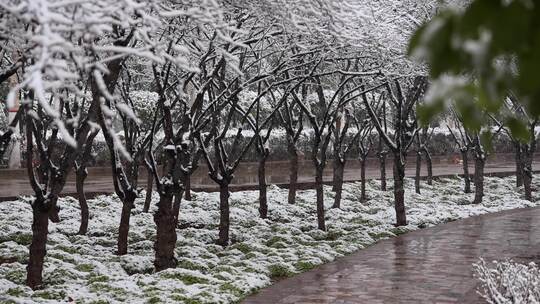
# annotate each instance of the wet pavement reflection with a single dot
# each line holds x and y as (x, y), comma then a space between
(426, 266)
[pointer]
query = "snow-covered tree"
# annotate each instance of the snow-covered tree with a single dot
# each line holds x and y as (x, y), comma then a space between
(402, 131)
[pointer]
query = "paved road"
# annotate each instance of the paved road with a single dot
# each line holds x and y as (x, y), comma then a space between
(426, 266)
(14, 183)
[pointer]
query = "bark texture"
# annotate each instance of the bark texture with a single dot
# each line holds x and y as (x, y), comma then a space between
(429, 167)
(123, 229)
(479, 165)
(399, 191)
(187, 187)
(293, 173)
(38, 250)
(165, 220)
(338, 182)
(466, 175)
(224, 222)
(382, 162)
(363, 197)
(417, 175)
(320, 198)
(80, 175)
(263, 201)
(519, 165)
(149, 189)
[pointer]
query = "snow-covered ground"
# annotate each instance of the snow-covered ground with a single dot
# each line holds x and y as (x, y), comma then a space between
(84, 268)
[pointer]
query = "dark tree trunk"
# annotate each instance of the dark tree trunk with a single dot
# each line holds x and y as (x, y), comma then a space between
(417, 175)
(263, 202)
(38, 250)
(123, 229)
(429, 167)
(478, 180)
(149, 188)
(519, 165)
(363, 197)
(79, 183)
(293, 173)
(399, 191)
(527, 181)
(338, 182)
(320, 197)
(223, 214)
(527, 171)
(382, 161)
(466, 175)
(176, 206)
(187, 187)
(165, 220)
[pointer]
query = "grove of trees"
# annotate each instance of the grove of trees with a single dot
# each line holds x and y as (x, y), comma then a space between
(211, 71)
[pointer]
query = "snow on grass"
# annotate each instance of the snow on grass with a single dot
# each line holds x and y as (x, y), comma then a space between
(508, 282)
(84, 268)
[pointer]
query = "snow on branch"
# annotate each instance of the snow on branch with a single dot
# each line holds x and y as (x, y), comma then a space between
(508, 282)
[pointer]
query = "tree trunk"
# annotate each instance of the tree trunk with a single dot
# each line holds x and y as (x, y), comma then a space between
(263, 202)
(80, 175)
(478, 180)
(382, 161)
(338, 182)
(187, 187)
(166, 233)
(293, 173)
(123, 230)
(527, 173)
(223, 214)
(519, 165)
(176, 206)
(363, 197)
(429, 166)
(320, 197)
(418, 169)
(527, 181)
(466, 175)
(149, 188)
(40, 226)
(399, 191)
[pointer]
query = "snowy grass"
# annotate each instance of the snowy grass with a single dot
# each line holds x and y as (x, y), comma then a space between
(84, 269)
(508, 282)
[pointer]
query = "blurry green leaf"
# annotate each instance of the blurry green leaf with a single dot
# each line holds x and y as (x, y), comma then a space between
(427, 112)
(518, 128)
(487, 141)
(495, 42)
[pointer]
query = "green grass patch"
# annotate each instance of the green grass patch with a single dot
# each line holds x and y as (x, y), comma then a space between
(243, 247)
(191, 265)
(230, 289)
(98, 279)
(17, 276)
(186, 278)
(15, 292)
(50, 294)
(22, 238)
(304, 265)
(183, 299)
(279, 271)
(85, 267)
(274, 240)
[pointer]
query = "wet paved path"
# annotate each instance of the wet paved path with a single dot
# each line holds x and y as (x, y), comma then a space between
(15, 182)
(426, 266)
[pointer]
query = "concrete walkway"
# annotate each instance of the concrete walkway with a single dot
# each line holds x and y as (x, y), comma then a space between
(426, 266)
